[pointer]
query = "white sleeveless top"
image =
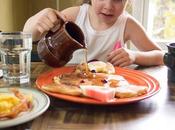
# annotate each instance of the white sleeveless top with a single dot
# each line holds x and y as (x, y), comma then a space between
(99, 43)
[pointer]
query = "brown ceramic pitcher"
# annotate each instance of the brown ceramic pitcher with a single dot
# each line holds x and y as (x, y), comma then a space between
(56, 48)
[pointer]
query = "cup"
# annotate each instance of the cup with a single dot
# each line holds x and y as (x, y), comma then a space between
(169, 61)
(15, 51)
(57, 47)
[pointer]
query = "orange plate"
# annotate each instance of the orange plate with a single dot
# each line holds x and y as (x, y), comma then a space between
(132, 76)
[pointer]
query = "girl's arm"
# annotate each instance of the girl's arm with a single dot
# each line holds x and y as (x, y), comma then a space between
(71, 13)
(47, 19)
(150, 53)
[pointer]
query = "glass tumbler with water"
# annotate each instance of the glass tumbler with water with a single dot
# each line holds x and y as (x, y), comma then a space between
(15, 51)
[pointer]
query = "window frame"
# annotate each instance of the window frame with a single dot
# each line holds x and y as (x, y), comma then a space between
(140, 10)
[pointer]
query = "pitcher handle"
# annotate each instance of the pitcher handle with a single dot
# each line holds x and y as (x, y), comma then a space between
(58, 27)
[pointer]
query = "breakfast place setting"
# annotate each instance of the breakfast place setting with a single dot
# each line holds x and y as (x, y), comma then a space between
(84, 78)
(95, 83)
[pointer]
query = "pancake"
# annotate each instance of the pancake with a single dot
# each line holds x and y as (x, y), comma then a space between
(96, 73)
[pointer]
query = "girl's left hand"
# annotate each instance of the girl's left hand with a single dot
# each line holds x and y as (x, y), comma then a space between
(121, 57)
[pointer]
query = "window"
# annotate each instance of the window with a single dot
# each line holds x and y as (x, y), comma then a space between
(158, 18)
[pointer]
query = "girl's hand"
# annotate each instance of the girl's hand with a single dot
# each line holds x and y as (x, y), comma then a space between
(42, 22)
(121, 57)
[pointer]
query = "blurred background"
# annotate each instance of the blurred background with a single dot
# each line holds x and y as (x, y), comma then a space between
(14, 13)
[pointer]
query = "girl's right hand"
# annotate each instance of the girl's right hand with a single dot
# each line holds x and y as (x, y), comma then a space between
(121, 57)
(42, 22)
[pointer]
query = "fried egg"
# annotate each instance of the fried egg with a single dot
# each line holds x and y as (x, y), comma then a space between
(7, 102)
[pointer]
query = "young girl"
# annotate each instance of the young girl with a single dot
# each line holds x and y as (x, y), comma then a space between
(107, 27)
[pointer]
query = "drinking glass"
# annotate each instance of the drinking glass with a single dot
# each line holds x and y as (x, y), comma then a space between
(15, 51)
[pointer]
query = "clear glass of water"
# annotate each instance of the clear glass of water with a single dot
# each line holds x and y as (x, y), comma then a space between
(15, 51)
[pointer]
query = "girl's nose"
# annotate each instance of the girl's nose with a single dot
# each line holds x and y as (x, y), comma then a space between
(108, 4)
